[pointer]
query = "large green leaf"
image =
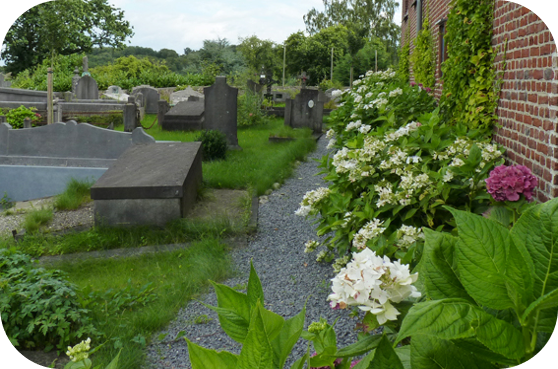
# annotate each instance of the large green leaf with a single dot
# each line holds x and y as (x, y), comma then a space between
(428, 352)
(548, 301)
(299, 364)
(234, 325)
(481, 259)
(438, 267)
(256, 352)
(452, 319)
(254, 290)
(385, 357)
(536, 231)
(360, 347)
(287, 338)
(273, 323)
(404, 353)
(202, 358)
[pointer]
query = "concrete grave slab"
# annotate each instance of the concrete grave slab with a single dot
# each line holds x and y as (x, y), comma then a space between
(149, 185)
(185, 116)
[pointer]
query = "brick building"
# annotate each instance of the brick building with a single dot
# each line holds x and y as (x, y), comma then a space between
(528, 105)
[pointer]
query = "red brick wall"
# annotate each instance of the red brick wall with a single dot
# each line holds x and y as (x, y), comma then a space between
(529, 98)
(528, 106)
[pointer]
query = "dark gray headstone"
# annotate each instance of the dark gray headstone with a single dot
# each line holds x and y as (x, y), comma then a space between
(87, 88)
(163, 108)
(149, 184)
(3, 119)
(221, 109)
(305, 111)
(185, 116)
(27, 123)
(130, 117)
(151, 98)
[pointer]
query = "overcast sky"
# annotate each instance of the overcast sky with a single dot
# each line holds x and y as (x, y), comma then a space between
(175, 24)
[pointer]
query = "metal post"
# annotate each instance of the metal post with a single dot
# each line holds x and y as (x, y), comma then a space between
(50, 110)
(351, 78)
(376, 59)
(284, 62)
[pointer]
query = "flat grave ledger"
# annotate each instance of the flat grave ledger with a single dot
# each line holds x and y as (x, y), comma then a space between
(185, 116)
(149, 185)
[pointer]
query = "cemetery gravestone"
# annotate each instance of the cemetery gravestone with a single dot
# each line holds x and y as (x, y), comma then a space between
(305, 111)
(3, 82)
(75, 80)
(221, 110)
(149, 185)
(87, 88)
(185, 116)
(163, 108)
(184, 95)
(131, 121)
(150, 99)
(116, 92)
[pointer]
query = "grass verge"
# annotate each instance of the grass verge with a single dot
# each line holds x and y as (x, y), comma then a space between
(77, 192)
(133, 298)
(36, 218)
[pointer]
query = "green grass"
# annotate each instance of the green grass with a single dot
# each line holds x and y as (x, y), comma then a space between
(175, 278)
(258, 165)
(77, 192)
(37, 218)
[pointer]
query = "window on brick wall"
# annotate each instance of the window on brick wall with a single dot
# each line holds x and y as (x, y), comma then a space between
(442, 50)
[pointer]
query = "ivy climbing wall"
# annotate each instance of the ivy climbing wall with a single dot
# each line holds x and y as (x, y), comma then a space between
(528, 106)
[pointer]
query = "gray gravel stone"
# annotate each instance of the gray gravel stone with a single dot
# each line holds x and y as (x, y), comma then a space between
(289, 276)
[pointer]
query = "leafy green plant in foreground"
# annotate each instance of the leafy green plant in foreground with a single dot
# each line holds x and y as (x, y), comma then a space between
(494, 292)
(76, 193)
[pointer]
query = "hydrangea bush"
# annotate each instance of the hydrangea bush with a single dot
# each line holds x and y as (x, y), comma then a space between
(395, 166)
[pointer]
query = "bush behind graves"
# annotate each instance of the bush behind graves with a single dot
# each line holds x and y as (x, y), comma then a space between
(15, 117)
(214, 145)
(249, 110)
(39, 307)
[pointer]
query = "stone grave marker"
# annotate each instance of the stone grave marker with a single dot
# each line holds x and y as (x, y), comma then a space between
(305, 111)
(2, 119)
(3, 82)
(27, 123)
(184, 95)
(149, 185)
(221, 109)
(116, 92)
(75, 80)
(87, 88)
(131, 115)
(185, 116)
(151, 98)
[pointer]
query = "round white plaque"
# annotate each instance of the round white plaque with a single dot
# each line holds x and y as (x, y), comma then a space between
(311, 104)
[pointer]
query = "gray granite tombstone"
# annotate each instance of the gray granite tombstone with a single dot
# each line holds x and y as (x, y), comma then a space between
(151, 98)
(221, 110)
(3, 82)
(163, 108)
(184, 95)
(75, 80)
(2, 119)
(185, 116)
(130, 115)
(305, 111)
(149, 185)
(87, 88)
(27, 123)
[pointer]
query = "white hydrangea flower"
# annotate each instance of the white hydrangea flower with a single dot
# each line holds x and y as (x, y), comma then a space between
(370, 230)
(353, 125)
(448, 176)
(456, 162)
(396, 92)
(408, 235)
(311, 198)
(364, 129)
(331, 143)
(373, 284)
(311, 246)
(330, 133)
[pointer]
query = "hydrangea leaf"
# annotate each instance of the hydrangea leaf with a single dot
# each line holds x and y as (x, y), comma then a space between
(428, 352)
(254, 289)
(256, 352)
(234, 325)
(385, 356)
(287, 338)
(202, 358)
(438, 267)
(360, 347)
(481, 259)
(537, 232)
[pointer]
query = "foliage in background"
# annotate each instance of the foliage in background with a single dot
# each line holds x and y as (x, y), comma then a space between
(404, 67)
(362, 61)
(116, 118)
(258, 53)
(423, 58)
(76, 193)
(62, 27)
(470, 91)
(214, 145)
(39, 308)
(376, 17)
(15, 117)
(249, 109)
(35, 78)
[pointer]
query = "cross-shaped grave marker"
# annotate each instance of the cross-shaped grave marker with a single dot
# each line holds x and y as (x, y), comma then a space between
(303, 78)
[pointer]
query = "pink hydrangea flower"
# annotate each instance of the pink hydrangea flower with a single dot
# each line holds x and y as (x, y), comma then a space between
(336, 362)
(507, 183)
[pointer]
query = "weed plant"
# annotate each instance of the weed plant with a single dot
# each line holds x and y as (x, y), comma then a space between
(77, 193)
(37, 218)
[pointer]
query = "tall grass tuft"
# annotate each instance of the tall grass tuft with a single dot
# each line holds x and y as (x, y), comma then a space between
(77, 192)
(36, 218)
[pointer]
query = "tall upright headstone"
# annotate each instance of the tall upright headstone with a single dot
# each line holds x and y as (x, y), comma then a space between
(75, 80)
(130, 115)
(150, 99)
(221, 110)
(3, 82)
(305, 111)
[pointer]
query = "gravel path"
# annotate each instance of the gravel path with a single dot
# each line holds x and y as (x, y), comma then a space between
(288, 275)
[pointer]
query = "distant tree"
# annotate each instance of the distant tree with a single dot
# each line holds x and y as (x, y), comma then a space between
(363, 61)
(62, 27)
(258, 53)
(374, 16)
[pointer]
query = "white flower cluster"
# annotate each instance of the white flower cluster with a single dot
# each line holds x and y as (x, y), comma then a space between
(310, 199)
(408, 235)
(460, 150)
(336, 93)
(373, 284)
(370, 230)
(353, 125)
(403, 131)
(311, 246)
(80, 351)
(386, 195)
(396, 92)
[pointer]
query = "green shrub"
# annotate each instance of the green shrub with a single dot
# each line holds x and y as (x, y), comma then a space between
(214, 145)
(326, 84)
(39, 307)
(35, 219)
(423, 57)
(102, 120)
(15, 117)
(249, 110)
